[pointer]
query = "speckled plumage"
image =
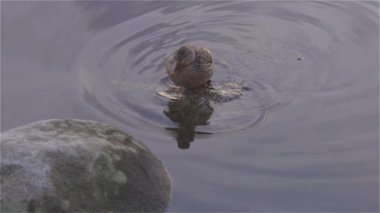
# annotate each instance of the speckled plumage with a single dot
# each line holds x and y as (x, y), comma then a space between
(189, 73)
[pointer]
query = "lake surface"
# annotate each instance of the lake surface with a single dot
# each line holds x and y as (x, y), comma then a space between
(302, 135)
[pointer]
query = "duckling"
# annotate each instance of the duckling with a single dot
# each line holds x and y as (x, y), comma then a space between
(190, 66)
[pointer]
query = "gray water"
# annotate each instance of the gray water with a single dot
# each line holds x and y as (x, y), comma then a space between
(303, 136)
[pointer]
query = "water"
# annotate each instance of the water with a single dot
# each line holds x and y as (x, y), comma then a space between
(302, 136)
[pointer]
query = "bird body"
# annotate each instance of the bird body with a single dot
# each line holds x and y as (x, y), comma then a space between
(190, 66)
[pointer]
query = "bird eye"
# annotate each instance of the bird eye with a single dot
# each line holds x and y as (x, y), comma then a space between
(181, 57)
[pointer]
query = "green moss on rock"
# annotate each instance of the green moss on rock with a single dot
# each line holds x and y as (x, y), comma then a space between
(79, 166)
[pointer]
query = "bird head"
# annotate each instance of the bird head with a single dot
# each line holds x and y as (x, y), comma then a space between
(184, 56)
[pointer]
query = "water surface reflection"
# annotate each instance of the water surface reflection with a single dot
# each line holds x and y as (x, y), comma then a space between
(303, 136)
(188, 111)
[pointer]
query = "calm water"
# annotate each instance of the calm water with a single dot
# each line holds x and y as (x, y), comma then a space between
(303, 136)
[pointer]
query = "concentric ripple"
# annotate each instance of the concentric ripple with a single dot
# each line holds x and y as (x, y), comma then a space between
(268, 50)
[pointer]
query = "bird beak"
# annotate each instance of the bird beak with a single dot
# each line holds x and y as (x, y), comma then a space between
(173, 69)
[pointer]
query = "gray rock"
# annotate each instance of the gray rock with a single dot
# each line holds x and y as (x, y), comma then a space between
(79, 166)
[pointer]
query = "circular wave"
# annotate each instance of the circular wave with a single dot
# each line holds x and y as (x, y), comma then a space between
(270, 51)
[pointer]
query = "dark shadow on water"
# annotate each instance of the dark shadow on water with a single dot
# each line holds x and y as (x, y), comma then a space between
(189, 111)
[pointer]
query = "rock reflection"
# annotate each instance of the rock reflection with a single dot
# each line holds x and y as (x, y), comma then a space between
(190, 109)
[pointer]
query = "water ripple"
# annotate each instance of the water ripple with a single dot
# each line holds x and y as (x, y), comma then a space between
(278, 53)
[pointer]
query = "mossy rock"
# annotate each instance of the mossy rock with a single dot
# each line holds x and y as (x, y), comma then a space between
(79, 166)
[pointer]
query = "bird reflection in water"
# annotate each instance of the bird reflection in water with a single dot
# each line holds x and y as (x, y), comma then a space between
(189, 110)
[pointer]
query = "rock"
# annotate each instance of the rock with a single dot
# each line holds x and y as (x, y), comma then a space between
(79, 166)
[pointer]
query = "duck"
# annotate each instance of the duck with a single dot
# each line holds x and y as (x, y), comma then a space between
(190, 66)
